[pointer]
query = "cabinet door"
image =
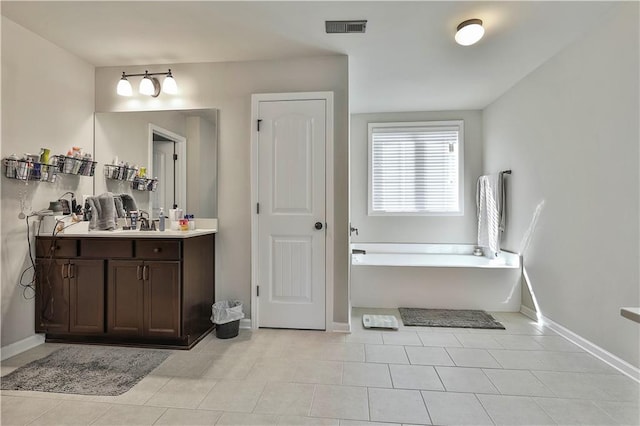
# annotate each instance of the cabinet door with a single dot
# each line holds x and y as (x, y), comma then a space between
(125, 298)
(86, 296)
(162, 299)
(52, 296)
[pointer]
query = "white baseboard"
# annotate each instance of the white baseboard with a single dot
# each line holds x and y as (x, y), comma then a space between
(341, 327)
(619, 364)
(21, 346)
(528, 312)
(245, 323)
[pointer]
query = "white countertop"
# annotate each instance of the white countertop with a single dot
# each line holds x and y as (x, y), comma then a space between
(137, 234)
(631, 313)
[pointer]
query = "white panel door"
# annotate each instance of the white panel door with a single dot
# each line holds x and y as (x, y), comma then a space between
(291, 195)
(164, 170)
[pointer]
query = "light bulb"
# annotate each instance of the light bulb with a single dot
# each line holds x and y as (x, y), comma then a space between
(146, 86)
(169, 85)
(469, 32)
(124, 87)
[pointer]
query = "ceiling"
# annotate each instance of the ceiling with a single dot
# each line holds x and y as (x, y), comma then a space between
(406, 61)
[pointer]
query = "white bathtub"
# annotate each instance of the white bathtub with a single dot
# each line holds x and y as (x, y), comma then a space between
(433, 276)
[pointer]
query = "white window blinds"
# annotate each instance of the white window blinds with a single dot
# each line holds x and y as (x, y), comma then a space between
(415, 168)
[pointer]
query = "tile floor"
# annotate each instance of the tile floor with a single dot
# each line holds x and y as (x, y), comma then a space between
(525, 374)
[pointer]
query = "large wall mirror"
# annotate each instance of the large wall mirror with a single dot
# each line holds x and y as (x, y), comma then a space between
(179, 148)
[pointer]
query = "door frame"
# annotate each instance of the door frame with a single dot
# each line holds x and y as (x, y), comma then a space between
(181, 172)
(329, 197)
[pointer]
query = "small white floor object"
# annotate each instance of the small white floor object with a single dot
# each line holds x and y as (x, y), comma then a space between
(379, 321)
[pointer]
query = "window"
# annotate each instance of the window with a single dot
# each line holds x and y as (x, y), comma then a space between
(416, 169)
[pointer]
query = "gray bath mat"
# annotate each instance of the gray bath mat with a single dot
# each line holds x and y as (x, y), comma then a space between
(448, 318)
(85, 370)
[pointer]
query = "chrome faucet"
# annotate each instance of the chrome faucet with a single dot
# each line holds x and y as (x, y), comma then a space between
(144, 221)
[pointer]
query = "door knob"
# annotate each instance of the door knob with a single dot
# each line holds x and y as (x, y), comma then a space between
(318, 225)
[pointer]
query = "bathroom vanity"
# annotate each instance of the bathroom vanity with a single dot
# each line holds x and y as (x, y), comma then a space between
(133, 288)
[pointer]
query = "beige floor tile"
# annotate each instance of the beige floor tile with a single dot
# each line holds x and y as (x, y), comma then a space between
(72, 413)
(514, 410)
(517, 382)
(285, 399)
(463, 379)
(367, 336)
(397, 406)
(272, 369)
(556, 343)
(550, 361)
(361, 423)
(343, 352)
(228, 419)
(420, 377)
(604, 387)
(139, 394)
(185, 417)
(387, 354)
(467, 357)
(181, 393)
(449, 408)
(320, 372)
(401, 338)
(303, 421)
(574, 412)
(16, 410)
(478, 341)
(519, 342)
(440, 339)
(343, 402)
(428, 355)
(625, 413)
(129, 415)
(233, 395)
(228, 367)
(184, 364)
(366, 374)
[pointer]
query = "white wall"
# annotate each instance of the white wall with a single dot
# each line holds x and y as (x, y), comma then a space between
(415, 229)
(47, 101)
(570, 132)
(228, 86)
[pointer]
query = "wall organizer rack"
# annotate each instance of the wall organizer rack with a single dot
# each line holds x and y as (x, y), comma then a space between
(28, 170)
(130, 174)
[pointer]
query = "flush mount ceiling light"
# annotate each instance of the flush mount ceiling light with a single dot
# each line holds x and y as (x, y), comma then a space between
(149, 85)
(469, 32)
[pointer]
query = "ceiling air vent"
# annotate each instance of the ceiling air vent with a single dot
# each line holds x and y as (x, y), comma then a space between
(344, 27)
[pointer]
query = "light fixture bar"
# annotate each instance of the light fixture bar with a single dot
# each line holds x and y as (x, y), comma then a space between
(149, 85)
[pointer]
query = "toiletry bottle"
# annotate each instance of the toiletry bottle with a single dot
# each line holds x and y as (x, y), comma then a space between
(134, 219)
(161, 227)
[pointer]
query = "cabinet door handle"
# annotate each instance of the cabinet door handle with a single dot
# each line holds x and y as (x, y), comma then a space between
(145, 272)
(62, 270)
(157, 250)
(71, 271)
(139, 272)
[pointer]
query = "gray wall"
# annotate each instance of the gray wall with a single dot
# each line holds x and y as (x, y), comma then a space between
(228, 87)
(415, 229)
(47, 101)
(570, 133)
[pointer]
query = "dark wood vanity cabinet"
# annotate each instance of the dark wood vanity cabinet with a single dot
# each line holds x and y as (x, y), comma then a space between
(125, 290)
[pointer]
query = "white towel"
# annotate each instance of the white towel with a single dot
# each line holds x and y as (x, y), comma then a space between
(490, 199)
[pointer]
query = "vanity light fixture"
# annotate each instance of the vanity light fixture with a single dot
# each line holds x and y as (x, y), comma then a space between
(149, 85)
(469, 32)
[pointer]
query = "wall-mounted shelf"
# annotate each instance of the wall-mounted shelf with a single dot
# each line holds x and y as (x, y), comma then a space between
(129, 174)
(29, 171)
(75, 166)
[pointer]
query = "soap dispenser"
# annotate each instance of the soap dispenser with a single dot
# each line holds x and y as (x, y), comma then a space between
(161, 227)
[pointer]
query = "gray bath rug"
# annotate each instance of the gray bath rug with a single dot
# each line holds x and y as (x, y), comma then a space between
(85, 370)
(448, 318)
